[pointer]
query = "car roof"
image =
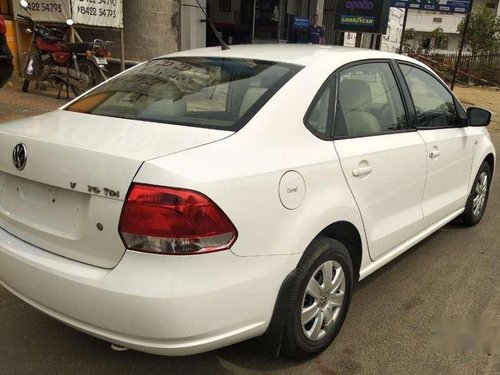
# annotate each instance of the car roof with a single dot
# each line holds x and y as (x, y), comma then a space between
(298, 54)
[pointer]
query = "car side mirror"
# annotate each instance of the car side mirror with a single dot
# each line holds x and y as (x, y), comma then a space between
(478, 116)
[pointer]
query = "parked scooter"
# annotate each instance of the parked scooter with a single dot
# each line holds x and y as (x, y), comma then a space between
(79, 66)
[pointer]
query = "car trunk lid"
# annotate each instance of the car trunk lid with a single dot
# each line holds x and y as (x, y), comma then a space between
(68, 198)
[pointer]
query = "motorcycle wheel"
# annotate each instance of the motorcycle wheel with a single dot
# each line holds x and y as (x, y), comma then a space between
(77, 91)
(26, 85)
(92, 71)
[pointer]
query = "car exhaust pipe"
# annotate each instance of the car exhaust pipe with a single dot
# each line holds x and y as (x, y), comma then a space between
(118, 348)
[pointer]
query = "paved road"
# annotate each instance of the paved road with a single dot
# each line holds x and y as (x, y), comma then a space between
(15, 104)
(388, 329)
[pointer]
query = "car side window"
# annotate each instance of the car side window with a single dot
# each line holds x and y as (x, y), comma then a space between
(433, 102)
(318, 119)
(369, 101)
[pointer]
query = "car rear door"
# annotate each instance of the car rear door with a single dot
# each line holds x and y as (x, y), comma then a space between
(383, 158)
(450, 147)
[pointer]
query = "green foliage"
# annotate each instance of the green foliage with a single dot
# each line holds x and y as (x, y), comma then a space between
(483, 33)
(408, 35)
(440, 38)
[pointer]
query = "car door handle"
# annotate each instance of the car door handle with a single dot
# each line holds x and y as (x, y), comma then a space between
(361, 171)
(434, 154)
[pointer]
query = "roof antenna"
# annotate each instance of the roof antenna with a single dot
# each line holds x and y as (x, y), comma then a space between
(218, 34)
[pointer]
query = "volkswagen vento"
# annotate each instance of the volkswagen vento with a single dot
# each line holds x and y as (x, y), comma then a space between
(211, 196)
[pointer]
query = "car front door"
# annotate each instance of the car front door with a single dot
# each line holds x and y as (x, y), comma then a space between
(450, 148)
(382, 156)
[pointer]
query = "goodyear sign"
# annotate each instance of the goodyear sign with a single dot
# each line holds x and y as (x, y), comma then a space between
(453, 6)
(357, 20)
(369, 16)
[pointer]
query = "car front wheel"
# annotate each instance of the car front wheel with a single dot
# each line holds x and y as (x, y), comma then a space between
(478, 197)
(319, 299)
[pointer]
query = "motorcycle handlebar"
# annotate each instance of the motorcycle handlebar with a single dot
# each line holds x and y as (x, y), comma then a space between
(25, 17)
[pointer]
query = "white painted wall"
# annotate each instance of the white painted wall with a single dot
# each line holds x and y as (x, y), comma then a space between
(453, 43)
(391, 40)
(193, 31)
(429, 21)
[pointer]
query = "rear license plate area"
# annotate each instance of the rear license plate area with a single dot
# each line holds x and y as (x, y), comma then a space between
(46, 208)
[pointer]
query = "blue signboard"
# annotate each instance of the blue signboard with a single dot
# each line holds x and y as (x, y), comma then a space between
(453, 6)
(300, 22)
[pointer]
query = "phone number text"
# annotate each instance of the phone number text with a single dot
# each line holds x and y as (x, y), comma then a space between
(45, 7)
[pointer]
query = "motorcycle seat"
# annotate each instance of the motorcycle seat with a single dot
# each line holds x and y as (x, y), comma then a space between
(51, 39)
(78, 47)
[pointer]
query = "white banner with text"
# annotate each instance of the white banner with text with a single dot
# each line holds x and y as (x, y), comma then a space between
(103, 13)
(45, 10)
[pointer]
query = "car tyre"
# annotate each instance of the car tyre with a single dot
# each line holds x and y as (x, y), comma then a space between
(478, 197)
(95, 76)
(317, 308)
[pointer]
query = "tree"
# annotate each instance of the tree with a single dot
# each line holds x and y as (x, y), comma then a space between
(408, 35)
(440, 38)
(483, 33)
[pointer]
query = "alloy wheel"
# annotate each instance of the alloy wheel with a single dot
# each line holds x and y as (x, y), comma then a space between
(323, 300)
(480, 194)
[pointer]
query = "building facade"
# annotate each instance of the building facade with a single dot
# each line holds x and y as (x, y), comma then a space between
(156, 27)
(425, 22)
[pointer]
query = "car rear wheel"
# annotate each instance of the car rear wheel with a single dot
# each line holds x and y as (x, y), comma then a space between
(319, 299)
(478, 197)
(92, 71)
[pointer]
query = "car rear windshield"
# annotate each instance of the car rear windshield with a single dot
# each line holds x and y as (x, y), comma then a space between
(208, 92)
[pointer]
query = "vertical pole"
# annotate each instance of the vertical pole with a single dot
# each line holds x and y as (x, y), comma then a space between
(378, 41)
(281, 5)
(359, 37)
(457, 65)
(122, 40)
(20, 48)
(179, 28)
(403, 32)
(253, 20)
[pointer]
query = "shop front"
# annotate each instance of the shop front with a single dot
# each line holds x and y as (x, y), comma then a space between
(261, 21)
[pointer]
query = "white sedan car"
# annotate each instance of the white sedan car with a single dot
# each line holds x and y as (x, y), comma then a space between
(207, 197)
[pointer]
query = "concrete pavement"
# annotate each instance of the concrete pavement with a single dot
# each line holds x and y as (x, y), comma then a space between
(16, 104)
(389, 329)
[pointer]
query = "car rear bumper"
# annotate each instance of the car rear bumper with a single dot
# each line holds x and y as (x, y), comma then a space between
(168, 305)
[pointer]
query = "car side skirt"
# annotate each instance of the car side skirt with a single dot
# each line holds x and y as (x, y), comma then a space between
(398, 250)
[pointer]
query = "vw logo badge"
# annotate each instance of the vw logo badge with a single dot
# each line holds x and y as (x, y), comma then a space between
(20, 156)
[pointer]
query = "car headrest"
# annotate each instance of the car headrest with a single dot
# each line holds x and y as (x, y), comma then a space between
(353, 94)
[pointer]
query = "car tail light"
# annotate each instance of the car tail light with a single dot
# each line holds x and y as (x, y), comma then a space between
(167, 220)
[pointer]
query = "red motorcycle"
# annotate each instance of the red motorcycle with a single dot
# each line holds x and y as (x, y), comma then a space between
(78, 66)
